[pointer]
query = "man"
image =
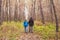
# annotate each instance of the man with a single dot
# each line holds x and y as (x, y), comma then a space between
(26, 25)
(31, 24)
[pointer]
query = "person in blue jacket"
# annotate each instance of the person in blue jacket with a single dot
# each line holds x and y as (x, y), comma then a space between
(26, 25)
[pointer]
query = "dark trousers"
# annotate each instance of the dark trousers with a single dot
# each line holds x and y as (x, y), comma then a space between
(31, 29)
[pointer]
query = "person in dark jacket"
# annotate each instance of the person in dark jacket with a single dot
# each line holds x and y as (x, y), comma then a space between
(31, 24)
(26, 25)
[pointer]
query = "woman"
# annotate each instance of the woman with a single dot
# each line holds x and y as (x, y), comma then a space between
(31, 24)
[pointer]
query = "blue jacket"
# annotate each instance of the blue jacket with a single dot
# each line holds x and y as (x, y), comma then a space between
(26, 23)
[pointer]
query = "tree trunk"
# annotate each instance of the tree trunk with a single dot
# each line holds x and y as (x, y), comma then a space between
(51, 11)
(41, 11)
(16, 11)
(56, 19)
(34, 14)
(7, 10)
(0, 11)
(10, 11)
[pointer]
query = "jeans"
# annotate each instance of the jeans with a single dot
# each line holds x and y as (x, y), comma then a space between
(26, 29)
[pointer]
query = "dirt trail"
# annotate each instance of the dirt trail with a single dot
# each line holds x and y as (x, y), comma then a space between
(29, 36)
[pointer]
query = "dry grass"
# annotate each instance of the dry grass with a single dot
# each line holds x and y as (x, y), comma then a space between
(13, 30)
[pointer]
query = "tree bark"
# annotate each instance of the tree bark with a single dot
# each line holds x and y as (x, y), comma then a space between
(7, 10)
(16, 11)
(0, 11)
(10, 18)
(51, 11)
(34, 14)
(41, 11)
(56, 19)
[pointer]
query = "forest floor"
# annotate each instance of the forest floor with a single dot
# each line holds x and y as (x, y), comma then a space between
(15, 31)
(29, 36)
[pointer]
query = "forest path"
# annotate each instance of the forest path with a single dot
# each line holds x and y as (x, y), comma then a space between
(29, 36)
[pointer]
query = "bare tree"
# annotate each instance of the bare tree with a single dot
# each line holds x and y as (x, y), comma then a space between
(7, 9)
(0, 10)
(56, 20)
(51, 11)
(10, 11)
(34, 14)
(16, 10)
(3, 10)
(41, 11)
(19, 10)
